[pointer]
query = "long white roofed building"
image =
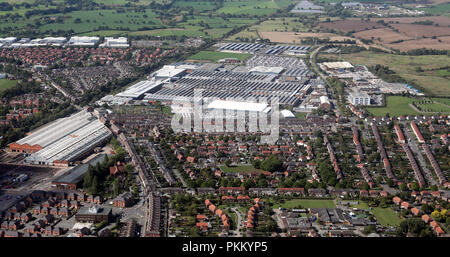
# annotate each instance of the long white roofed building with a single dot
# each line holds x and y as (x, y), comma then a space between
(64, 140)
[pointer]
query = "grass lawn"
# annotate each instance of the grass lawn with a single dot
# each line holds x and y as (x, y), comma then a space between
(395, 106)
(406, 67)
(361, 205)
(445, 101)
(215, 56)
(435, 107)
(306, 203)
(239, 168)
(280, 24)
(5, 84)
(301, 115)
(386, 216)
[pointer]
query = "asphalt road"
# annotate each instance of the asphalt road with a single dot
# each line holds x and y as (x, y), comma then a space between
(415, 149)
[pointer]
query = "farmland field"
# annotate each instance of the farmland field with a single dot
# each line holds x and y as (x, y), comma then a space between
(406, 67)
(403, 33)
(351, 25)
(416, 30)
(440, 20)
(281, 24)
(254, 7)
(215, 56)
(443, 8)
(136, 18)
(5, 84)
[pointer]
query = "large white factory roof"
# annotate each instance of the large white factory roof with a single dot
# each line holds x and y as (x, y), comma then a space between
(8, 40)
(83, 41)
(168, 71)
(287, 114)
(338, 65)
(115, 42)
(269, 70)
(359, 94)
(239, 106)
(66, 138)
(324, 100)
(140, 88)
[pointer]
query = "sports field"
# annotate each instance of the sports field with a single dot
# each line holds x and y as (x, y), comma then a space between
(239, 168)
(5, 84)
(386, 216)
(215, 56)
(306, 203)
(395, 106)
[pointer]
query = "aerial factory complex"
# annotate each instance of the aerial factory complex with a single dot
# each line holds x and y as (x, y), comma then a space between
(249, 118)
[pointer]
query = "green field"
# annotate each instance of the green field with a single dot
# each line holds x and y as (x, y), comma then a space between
(281, 24)
(196, 5)
(239, 168)
(301, 115)
(306, 203)
(435, 107)
(215, 56)
(249, 34)
(253, 7)
(386, 216)
(406, 67)
(443, 8)
(445, 101)
(5, 84)
(395, 106)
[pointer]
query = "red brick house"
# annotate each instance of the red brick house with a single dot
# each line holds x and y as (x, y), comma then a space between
(405, 205)
(123, 200)
(415, 211)
(397, 200)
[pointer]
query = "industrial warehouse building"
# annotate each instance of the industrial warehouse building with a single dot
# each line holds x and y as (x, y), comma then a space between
(359, 98)
(73, 178)
(63, 140)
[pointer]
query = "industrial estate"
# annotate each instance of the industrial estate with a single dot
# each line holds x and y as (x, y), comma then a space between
(150, 119)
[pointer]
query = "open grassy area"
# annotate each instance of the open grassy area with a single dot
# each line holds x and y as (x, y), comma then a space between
(253, 7)
(443, 8)
(395, 106)
(445, 101)
(5, 84)
(386, 216)
(239, 168)
(281, 24)
(215, 56)
(435, 107)
(306, 203)
(301, 115)
(407, 67)
(181, 18)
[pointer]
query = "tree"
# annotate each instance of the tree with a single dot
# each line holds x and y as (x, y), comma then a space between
(94, 186)
(116, 187)
(369, 229)
(272, 164)
(403, 187)
(228, 162)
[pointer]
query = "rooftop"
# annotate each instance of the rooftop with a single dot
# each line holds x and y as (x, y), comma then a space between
(239, 106)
